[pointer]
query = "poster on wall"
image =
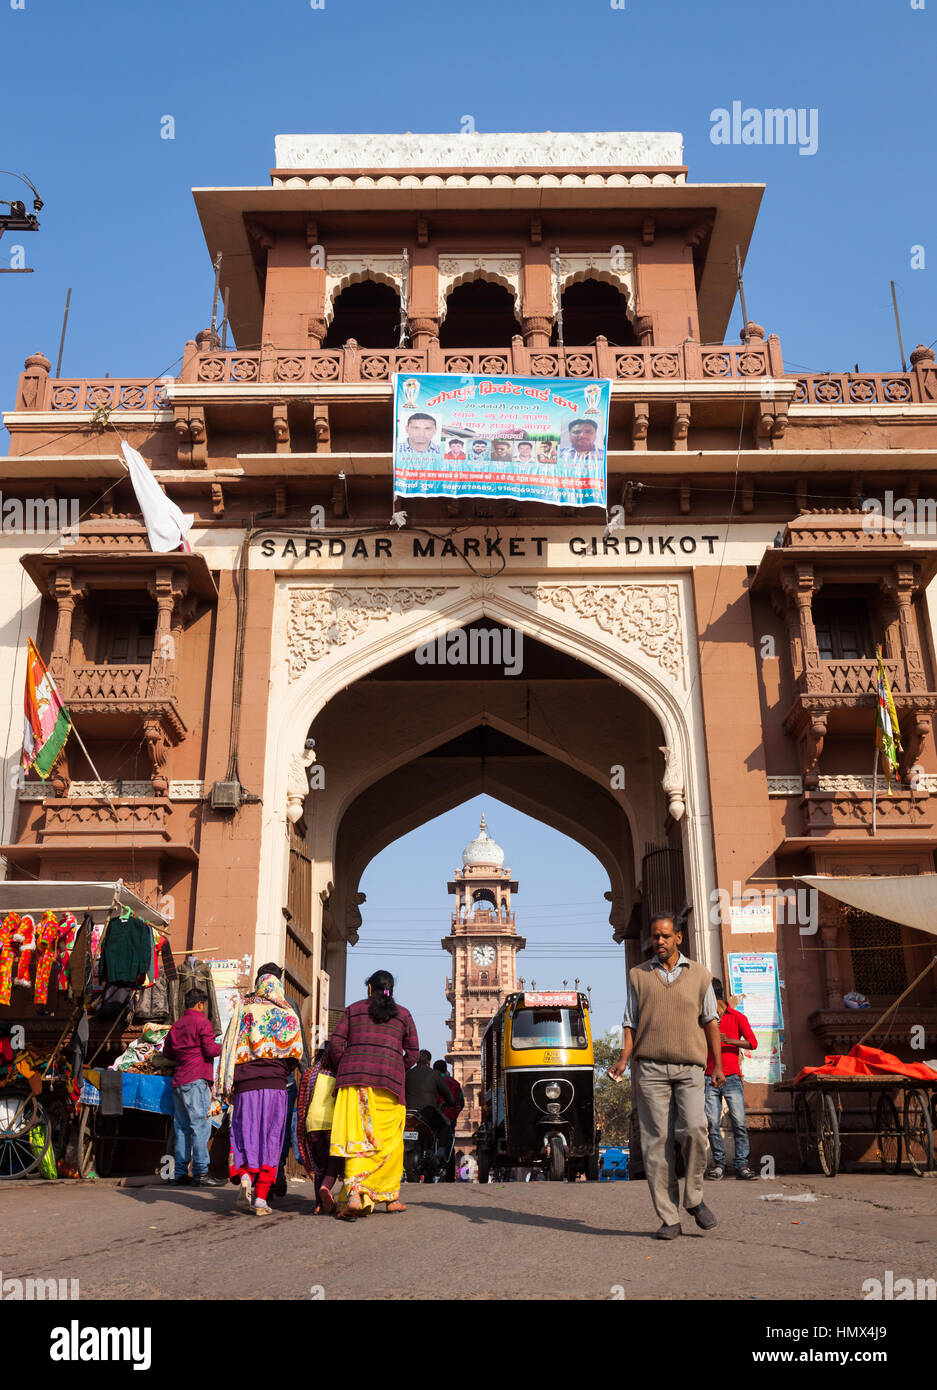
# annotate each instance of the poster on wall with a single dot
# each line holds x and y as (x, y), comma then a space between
(526, 438)
(754, 982)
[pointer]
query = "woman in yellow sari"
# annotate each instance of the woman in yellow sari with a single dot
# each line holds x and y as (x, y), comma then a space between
(372, 1047)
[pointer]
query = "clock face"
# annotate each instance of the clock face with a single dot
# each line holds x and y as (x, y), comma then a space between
(483, 955)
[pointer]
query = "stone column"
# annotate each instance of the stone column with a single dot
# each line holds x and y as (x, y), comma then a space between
(900, 587)
(66, 596)
(536, 308)
(829, 940)
(800, 584)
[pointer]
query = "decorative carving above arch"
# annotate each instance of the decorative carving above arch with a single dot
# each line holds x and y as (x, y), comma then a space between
(643, 615)
(343, 271)
(573, 269)
(321, 619)
(498, 270)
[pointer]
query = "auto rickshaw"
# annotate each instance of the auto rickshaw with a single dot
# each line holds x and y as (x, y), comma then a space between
(538, 1088)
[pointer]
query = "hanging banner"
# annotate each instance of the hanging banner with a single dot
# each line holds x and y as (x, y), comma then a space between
(527, 438)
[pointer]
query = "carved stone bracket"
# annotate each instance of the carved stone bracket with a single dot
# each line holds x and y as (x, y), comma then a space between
(323, 619)
(639, 424)
(672, 783)
(192, 436)
(643, 615)
(281, 427)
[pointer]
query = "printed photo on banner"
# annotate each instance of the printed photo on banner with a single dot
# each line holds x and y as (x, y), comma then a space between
(526, 438)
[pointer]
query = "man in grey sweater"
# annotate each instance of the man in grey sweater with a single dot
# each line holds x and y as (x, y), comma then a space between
(670, 1016)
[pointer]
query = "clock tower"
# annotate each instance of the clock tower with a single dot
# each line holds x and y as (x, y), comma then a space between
(483, 943)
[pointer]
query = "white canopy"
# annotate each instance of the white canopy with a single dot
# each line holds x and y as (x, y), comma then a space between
(34, 895)
(909, 899)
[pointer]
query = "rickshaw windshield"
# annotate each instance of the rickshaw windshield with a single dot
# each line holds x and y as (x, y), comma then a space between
(548, 1028)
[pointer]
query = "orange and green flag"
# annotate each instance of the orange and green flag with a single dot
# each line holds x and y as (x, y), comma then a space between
(48, 723)
(887, 733)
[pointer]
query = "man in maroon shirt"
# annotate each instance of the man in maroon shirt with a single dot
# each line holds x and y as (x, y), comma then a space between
(191, 1044)
(451, 1112)
(736, 1033)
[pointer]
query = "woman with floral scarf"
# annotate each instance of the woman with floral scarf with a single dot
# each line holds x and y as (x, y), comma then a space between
(262, 1045)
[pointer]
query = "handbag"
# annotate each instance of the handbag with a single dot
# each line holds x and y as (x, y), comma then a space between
(322, 1105)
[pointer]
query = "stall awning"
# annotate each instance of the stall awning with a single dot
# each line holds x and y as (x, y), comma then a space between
(36, 894)
(909, 899)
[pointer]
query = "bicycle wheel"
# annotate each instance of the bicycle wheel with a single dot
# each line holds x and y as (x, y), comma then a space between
(887, 1134)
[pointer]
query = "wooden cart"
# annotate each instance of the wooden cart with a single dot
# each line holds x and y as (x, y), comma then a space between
(902, 1114)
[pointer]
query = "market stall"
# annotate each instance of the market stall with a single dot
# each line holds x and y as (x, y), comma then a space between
(81, 964)
(898, 1099)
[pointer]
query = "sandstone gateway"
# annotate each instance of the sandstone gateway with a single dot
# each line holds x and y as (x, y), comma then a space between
(715, 645)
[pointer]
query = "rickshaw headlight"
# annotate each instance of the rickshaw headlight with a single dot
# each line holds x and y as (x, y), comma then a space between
(553, 1108)
(552, 1092)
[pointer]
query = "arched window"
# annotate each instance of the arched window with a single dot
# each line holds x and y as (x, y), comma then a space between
(593, 307)
(478, 314)
(369, 312)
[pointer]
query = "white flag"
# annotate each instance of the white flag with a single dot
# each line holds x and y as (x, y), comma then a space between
(166, 525)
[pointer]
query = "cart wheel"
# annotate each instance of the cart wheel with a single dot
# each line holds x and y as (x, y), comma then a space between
(483, 1159)
(918, 1133)
(887, 1134)
(87, 1135)
(592, 1168)
(804, 1130)
(25, 1136)
(827, 1135)
(60, 1117)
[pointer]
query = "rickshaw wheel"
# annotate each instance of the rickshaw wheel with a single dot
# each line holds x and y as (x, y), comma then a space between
(483, 1159)
(887, 1134)
(86, 1140)
(804, 1128)
(828, 1147)
(918, 1133)
(556, 1160)
(592, 1168)
(18, 1157)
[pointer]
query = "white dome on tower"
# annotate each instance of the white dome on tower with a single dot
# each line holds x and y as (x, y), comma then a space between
(482, 850)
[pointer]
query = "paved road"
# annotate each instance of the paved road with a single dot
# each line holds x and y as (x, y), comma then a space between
(527, 1241)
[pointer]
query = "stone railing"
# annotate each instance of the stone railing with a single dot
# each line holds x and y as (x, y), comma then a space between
(687, 361)
(860, 677)
(106, 683)
(72, 394)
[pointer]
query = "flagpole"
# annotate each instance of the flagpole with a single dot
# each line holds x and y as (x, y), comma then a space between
(103, 784)
(875, 790)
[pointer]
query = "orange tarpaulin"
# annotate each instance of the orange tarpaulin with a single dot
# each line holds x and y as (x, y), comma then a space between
(869, 1061)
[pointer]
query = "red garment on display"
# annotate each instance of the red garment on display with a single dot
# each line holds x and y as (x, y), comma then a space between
(869, 1061)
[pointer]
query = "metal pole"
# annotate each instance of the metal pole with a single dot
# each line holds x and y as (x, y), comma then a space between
(738, 275)
(404, 296)
(214, 300)
(224, 321)
(894, 300)
(58, 365)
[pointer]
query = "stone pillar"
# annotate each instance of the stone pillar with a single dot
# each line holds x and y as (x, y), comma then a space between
(66, 596)
(423, 298)
(35, 387)
(536, 307)
(900, 587)
(801, 586)
(830, 940)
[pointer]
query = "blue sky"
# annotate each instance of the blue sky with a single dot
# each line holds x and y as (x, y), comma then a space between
(87, 86)
(559, 907)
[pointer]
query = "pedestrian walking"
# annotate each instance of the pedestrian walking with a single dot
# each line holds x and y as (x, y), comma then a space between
(670, 1015)
(374, 1044)
(262, 1045)
(315, 1109)
(190, 1043)
(736, 1034)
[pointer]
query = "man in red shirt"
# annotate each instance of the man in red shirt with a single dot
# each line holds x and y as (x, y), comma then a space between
(736, 1034)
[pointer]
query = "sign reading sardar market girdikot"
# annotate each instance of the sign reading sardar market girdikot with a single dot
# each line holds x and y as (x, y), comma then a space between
(657, 545)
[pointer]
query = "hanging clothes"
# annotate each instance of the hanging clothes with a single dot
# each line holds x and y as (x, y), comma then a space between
(195, 975)
(47, 937)
(25, 938)
(8, 929)
(167, 963)
(68, 935)
(127, 951)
